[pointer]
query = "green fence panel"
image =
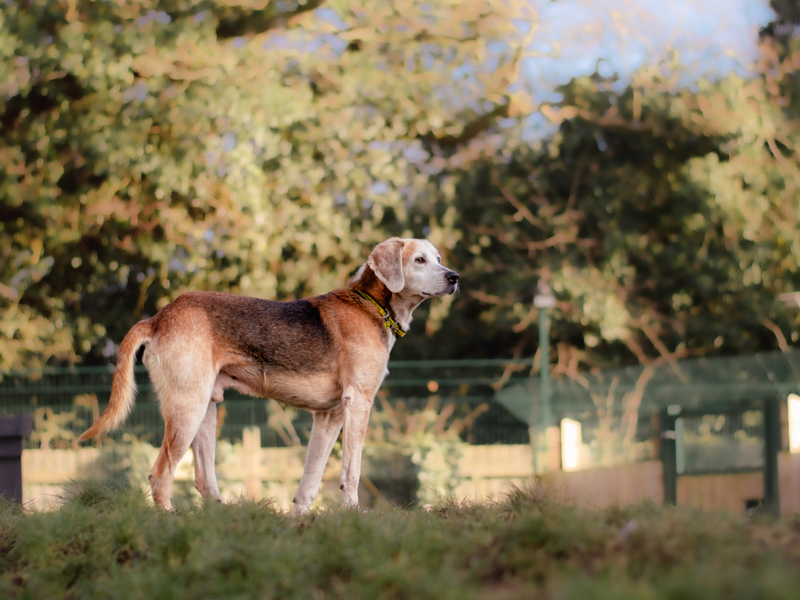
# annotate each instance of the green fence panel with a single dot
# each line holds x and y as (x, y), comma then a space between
(65, 401)
(488, 401)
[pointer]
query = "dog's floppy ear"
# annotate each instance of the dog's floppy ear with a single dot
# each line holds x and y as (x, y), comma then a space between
(386, 260)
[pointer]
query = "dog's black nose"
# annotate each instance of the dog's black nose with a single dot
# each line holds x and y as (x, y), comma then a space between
(452, 277)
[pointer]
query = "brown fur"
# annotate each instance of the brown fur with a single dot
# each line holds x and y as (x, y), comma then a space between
(326, 354)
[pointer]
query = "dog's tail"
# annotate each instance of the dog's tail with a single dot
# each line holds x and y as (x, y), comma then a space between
(123, 387)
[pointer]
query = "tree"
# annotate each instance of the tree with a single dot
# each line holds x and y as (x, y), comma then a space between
(160, 145)
(664, 217)
(156, 146)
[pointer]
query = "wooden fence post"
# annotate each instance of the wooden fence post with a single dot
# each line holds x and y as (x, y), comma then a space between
(553, 435)
(772, 447)
(251, 442)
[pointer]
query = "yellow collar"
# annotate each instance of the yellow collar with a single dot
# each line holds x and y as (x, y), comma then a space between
(388, 321)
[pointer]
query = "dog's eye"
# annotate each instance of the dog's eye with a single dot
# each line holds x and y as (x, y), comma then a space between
(420, 259)
(439, 258)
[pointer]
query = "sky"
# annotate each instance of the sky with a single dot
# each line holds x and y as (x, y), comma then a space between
(575, 37)
(571, 38)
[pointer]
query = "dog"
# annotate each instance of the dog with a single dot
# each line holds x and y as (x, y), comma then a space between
(327, 354)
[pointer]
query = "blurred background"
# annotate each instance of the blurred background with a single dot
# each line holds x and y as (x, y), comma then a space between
(639, 158)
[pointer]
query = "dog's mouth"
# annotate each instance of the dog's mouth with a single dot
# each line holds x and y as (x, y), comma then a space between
(449, 291)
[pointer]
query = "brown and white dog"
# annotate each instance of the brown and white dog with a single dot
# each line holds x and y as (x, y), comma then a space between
(326, 354)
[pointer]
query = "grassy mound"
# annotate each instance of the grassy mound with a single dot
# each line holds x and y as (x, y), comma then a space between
(112, 543)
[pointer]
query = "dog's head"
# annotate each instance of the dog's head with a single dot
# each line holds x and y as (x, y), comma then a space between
(411, 267)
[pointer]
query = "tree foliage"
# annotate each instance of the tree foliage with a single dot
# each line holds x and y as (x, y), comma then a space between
(664, 218)
(154, 146)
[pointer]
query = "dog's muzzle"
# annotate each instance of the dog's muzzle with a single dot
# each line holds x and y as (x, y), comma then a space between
(452, 278)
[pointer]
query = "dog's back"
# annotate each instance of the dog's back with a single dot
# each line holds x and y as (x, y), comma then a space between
(276, 335)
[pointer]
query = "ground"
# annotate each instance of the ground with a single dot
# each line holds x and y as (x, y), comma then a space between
(107, 542)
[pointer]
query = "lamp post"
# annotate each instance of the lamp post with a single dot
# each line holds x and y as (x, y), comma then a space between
(543, 300)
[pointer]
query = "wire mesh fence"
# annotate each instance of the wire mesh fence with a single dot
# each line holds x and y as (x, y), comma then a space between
(65, 401)
(710, 443)
(617, 412)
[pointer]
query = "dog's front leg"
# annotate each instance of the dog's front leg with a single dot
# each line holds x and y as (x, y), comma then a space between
(356, 419)
(324, 432)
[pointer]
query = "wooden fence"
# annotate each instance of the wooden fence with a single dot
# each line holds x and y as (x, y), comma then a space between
(485, 473)
(633, 482)
(247, 470)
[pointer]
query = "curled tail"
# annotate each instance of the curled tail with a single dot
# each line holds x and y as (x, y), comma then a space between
(123, 388)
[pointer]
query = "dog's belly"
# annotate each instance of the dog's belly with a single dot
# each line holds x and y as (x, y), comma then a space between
(311, 391)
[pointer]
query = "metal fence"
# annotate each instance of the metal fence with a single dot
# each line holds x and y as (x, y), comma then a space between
(715, 406)
(700, 418)
(713, 409)
(450, 394)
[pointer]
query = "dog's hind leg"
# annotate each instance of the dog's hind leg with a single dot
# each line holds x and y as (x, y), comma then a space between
(182, 420)
(204, 449)
(324, 432)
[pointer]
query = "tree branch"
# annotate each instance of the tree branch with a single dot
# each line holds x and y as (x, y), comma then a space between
(782, 344)
(472, 129)
(238, 22)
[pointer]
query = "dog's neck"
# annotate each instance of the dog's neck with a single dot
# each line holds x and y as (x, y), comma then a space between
(400, 306)
(403, 306)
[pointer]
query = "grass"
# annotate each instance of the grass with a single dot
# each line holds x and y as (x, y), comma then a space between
(108, 542)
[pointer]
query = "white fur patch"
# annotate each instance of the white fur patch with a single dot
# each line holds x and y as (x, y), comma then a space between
(357, 277)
